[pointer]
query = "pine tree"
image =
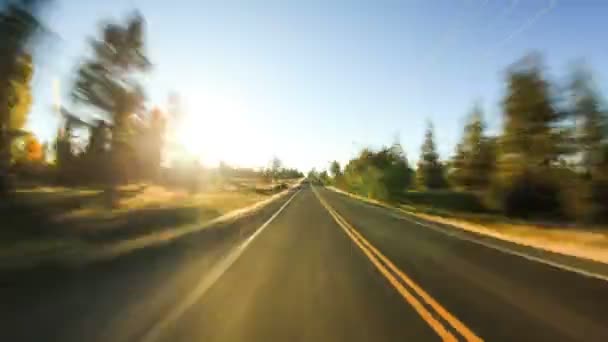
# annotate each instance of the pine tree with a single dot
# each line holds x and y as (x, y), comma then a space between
(398, 176)
(335, 170)
(474, 161)
(591, 131)
(591, 144)
(530, 118)
(530, 146)
(108, 83)
(430, 170)
(457, 167)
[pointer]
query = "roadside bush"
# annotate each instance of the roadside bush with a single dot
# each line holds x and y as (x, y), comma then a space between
(576, 197)
(599, 197)
(368, 182)
(532, 195)
(445, 199)
(381, 175)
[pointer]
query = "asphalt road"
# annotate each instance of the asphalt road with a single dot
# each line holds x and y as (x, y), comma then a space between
(323, 267)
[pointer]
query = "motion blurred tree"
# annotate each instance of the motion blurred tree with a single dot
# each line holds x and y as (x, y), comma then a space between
(398, 177)
(363, 175)
(593, 122)
(18, 24)
(94, 162)
(45, 152)
(20, 94)
(457, 167)
(99, 139)
(430, 173)
(28, 158)
(382, 174)
(108, 83)
(324, 177)
(275, 167)
(64, 155)
(25, 150)
(591, 142)
(474, 161)
(155, 134)
(335, 170)
(33, 149)
(290, 173)
(312, 175)
(530, 119)
(530, 143)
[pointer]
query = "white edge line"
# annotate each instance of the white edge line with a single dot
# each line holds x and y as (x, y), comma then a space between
(512, 252)
(459, 235)
(208, 279)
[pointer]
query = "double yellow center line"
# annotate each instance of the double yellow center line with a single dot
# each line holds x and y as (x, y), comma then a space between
(407, 288)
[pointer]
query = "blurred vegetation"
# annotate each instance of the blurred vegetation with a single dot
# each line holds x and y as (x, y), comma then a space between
(474, 162)
(430, 171)
(109, 137)
(549, 162)
(108, 82)
(276, 172)
(381, 174)
(106, 179)
(18, 24)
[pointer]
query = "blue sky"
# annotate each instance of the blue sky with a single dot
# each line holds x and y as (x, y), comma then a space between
(312, 81)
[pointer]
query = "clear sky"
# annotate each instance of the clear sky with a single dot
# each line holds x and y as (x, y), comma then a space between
(312, 81)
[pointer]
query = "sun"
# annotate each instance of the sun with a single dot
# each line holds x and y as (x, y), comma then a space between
(213, 129)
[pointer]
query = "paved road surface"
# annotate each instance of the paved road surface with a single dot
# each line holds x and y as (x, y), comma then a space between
(324, 268)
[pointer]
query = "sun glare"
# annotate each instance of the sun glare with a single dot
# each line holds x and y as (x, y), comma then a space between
(214, 129)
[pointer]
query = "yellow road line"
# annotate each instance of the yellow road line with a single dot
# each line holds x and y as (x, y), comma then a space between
(374, 254)
(455, 322)
(415, 303)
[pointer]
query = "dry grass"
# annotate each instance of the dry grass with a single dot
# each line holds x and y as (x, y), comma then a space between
(157, 197)
(75, 226)
(590, 244)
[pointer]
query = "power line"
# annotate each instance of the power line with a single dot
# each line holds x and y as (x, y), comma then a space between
(526, 25)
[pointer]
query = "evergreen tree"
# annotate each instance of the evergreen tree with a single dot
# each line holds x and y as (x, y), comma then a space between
(335, 170)
(530, 119)
(398, 176)
(592, 122)
(457, 167)
(430, 170)
(592, 145)
(108, 84)
(530, 145)
(474, 161)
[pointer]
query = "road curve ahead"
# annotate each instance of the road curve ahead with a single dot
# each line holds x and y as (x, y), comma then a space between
(323, 267)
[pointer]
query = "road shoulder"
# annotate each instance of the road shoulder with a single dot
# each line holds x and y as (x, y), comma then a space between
(530, 250)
